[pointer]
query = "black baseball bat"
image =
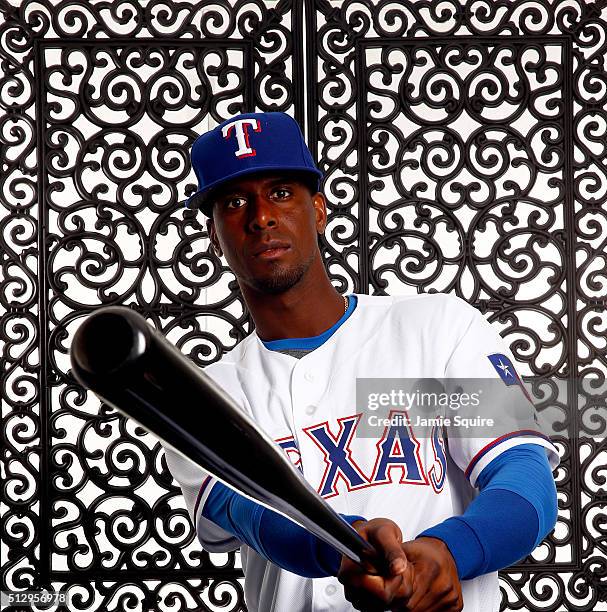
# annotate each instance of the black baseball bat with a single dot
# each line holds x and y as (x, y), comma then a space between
(133, 368)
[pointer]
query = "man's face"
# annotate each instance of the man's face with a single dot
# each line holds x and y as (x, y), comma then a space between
(267, 227)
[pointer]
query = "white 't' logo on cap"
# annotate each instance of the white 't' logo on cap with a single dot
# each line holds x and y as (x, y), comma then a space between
(242, 135)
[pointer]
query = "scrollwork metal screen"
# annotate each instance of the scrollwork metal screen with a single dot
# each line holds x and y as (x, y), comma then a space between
(464, 150)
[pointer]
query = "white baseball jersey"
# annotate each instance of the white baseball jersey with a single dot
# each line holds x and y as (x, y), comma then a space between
(308, 406)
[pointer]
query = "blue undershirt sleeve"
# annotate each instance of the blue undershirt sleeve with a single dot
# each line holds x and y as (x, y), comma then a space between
(272, 535)
(514, 511)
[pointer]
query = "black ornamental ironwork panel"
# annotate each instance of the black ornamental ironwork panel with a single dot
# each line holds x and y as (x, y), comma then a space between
(463, 145)
(101, 104)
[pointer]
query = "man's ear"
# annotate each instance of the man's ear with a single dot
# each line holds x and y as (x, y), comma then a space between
(213, 238)
(320, 209)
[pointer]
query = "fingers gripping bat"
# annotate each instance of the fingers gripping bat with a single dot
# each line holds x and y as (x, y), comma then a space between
(133, 368)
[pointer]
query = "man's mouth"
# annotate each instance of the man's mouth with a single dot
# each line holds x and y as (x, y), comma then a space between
(271, 249)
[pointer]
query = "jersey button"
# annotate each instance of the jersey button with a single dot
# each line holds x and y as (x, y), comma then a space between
(331, 590)
(309, 376)
(310, 409)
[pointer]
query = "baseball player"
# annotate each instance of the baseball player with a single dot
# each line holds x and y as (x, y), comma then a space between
(445, 512)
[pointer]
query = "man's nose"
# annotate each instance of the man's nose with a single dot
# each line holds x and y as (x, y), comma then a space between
(262, 213)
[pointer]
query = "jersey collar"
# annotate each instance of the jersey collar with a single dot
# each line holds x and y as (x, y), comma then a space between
(312, 342)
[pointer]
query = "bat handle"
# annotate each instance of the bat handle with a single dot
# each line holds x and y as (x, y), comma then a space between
(368, 557)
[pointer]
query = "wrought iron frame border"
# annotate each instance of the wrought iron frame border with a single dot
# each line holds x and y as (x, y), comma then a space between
(39, 44)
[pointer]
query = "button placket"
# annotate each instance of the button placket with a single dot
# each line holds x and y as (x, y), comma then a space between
(307, 409)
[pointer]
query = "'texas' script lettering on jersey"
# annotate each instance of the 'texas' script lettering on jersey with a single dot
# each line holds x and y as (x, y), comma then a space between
(397, 460)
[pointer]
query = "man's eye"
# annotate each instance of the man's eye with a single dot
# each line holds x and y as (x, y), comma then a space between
(281, 193)
(235, 202)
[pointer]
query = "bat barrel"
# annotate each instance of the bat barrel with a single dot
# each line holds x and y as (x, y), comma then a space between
(133, 368)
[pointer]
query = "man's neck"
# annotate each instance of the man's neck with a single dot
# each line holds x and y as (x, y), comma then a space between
(306, 310)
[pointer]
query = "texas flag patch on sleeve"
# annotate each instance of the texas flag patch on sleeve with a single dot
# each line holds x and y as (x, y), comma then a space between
(503, 366)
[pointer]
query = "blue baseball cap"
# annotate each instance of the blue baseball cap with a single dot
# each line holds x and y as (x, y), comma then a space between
(248, 144)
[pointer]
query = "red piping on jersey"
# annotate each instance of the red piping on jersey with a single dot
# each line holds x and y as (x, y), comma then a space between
(488, 447)
(203, 486)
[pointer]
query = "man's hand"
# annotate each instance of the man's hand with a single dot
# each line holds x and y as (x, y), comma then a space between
(369, 592)
(436, 584)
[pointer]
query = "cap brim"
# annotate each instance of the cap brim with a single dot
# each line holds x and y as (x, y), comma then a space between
(197, 201)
